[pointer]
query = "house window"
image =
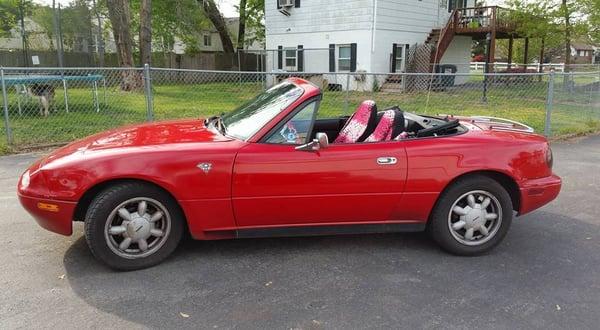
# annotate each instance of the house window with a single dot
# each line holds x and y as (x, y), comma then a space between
(399, 60)
(344, 55)
(291, 60)
(207, 40)
(455, 4)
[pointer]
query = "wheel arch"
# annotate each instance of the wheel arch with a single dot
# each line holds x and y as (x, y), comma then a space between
(89, 195)
(505, 180)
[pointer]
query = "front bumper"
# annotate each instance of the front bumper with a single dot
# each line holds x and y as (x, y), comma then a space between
(538, 192)
(53, 215)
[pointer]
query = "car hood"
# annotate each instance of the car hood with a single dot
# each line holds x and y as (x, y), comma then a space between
(144, 135)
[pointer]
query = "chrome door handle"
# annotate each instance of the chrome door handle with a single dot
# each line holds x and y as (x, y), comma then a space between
(387, 160)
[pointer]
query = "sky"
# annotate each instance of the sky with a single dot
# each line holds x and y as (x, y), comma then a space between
(226, 6)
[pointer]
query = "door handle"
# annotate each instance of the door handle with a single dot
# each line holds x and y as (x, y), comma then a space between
(387, 160)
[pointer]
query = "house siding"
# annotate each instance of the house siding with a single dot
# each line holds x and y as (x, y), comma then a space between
(410, 15)
(374, 25)
(319, 16)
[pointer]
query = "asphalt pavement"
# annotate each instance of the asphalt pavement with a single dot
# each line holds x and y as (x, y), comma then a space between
(546, 273)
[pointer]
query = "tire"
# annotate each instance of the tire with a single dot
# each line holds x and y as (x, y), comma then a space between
(145, 216)
(446, 228)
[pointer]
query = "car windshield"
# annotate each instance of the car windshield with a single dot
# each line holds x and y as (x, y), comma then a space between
(246, 120)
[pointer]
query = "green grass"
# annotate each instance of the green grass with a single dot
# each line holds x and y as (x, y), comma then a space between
(574, 111)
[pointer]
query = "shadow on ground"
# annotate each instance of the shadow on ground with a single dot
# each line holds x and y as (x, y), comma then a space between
(544, 273)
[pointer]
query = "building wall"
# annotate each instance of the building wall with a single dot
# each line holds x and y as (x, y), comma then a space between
(319, 16)
(410, 15)
(374, 25)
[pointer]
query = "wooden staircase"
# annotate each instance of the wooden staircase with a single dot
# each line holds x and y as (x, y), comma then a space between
(442, 38)
(392, 84)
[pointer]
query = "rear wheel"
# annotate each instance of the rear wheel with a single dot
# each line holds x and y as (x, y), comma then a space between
(133, 225)
(472, 216)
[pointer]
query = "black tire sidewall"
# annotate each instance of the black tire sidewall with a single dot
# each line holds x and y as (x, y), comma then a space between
(106, 201)
(438, 223)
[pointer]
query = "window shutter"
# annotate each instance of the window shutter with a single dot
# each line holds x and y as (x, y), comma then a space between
(300, 58)
(279, 57)
(352, 57)
(331, 57)
(296, 3)
(394, 50)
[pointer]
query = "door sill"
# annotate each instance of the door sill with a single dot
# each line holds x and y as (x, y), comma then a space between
(299, 231)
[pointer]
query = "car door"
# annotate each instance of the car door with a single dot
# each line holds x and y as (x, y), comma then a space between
(276, 185)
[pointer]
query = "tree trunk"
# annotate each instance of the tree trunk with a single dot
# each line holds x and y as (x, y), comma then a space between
(120, 19)
(567, 16)
(242, 26)
(213, 13)
(100, 40)
(146, 32)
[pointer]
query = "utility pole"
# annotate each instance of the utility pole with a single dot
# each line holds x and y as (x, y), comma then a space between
(58, 33)
(24, 34)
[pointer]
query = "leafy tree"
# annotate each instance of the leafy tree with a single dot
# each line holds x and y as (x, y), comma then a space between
(255, 21)
(44, 17)
(558, 22)
(592, 10)
(10, 14)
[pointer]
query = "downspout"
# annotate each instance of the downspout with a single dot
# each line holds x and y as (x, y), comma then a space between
(374, 26)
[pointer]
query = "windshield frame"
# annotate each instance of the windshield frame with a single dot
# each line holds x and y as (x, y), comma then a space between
(291, 102)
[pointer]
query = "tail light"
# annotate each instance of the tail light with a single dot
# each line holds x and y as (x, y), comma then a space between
(549, 158)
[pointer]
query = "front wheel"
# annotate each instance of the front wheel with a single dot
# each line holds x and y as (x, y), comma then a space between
(133, 225)
(472, 216)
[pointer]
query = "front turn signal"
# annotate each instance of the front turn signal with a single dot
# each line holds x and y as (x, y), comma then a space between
(48, 207)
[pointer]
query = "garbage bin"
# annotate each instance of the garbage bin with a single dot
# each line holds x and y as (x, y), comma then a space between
(446, 81)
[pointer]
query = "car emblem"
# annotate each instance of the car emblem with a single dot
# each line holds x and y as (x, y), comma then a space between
(205, 167)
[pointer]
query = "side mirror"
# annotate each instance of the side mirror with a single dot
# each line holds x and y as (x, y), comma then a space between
(319, 142)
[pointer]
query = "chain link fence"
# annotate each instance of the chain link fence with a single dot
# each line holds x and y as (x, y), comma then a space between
(54, 106)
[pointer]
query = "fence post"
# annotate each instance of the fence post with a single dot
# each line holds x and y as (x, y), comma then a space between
(9, 139)
(148, 93)
(549, 103)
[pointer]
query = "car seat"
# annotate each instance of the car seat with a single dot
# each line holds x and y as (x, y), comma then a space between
(360, 124)
(389, 126)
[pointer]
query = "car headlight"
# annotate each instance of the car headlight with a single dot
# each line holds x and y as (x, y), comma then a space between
(25, 179)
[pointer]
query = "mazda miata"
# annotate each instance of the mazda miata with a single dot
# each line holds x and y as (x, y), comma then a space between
(273, 168)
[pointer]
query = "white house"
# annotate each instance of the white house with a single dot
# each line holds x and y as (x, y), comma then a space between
(356, 35)
(210, 41)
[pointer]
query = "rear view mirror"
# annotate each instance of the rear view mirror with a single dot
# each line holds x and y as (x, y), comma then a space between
(319, 142)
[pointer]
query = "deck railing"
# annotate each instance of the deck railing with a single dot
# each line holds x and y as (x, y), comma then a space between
(482, 19)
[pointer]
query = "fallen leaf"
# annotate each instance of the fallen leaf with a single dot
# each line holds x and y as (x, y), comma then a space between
(557, 307)
(184, 315)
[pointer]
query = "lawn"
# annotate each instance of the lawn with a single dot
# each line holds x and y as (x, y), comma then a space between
(575, 111)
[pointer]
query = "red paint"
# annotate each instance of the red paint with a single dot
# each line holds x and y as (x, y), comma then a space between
(59, 222)
(255, 185)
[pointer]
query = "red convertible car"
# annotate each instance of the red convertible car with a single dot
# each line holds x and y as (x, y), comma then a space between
(271, 168)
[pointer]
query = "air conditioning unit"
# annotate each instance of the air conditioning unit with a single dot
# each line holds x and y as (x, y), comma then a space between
(286, 3)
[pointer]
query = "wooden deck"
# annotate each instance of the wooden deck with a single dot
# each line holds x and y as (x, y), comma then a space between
(477, 22)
